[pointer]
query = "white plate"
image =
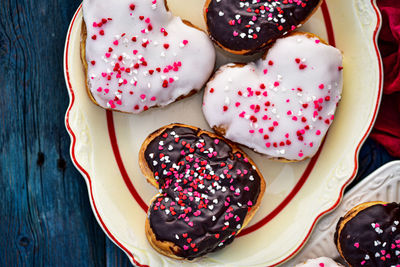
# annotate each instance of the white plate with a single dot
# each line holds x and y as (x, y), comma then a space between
(381, 185)
(105, 147)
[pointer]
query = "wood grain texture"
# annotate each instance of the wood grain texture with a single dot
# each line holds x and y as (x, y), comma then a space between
(46, 219)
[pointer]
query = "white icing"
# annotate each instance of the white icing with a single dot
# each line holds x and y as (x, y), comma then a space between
(319, 262)
(188, 48)
(298, 62)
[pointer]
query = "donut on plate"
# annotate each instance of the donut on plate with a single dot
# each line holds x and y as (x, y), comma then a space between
(137, 55)
(209, 190)
(369, 235)
(319, 262)
(246, 26)
(281, 105)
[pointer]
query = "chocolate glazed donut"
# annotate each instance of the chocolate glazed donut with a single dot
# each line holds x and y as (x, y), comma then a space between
(209, 190)
(246, 26)
(369, 235)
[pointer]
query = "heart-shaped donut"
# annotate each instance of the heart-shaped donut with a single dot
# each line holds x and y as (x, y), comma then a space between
(137, 55)
(283, 104)
(245, 26)
(209, 190)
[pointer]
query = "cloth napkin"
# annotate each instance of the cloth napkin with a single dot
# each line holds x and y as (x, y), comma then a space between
(387, 127)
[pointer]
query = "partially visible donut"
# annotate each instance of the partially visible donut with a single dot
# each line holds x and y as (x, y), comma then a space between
(209, 190)
(319, 262)
(137, 55)
(369, 235)
(246, 26)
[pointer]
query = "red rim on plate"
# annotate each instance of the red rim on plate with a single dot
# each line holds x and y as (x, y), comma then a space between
(267, 218)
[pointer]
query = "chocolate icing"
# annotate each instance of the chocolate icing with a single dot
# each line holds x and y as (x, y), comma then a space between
(241, 25)
(213, 192)
(372, 237)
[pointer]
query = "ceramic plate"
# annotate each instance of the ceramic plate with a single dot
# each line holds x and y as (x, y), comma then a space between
(381, 185)
(105, 147)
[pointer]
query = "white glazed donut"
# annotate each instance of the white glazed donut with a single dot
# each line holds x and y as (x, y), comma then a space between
(319, 262)
(139, 55)
(281, 105)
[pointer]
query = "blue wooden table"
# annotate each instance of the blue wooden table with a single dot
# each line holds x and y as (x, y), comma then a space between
(45, 215)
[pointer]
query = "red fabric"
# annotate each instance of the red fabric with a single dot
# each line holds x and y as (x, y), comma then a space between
(387, 127)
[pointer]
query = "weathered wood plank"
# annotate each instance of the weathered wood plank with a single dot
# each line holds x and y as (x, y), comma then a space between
(115, 256)
(46, 219)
